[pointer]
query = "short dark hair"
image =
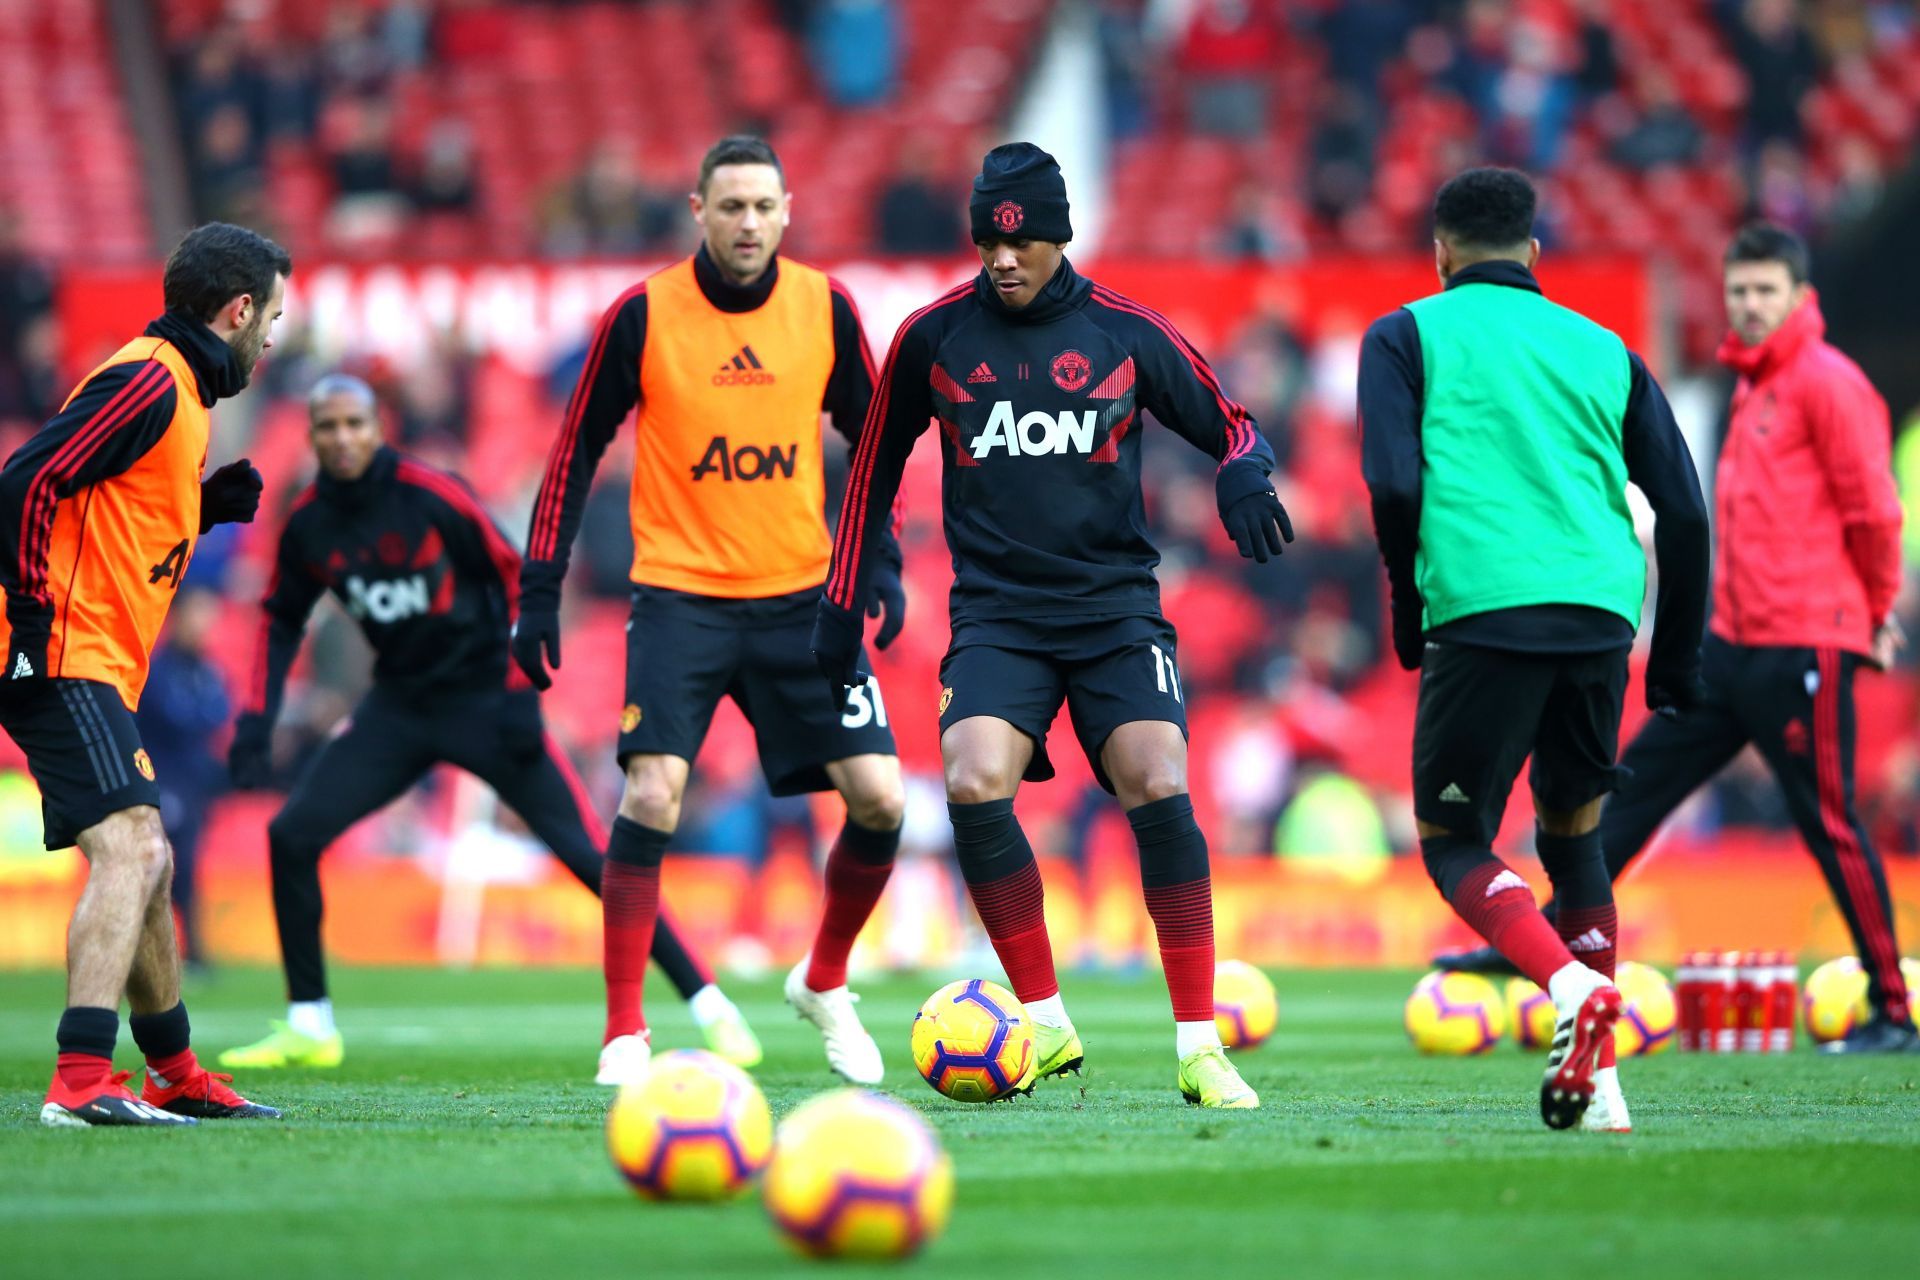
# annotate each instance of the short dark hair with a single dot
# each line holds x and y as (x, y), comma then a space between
(216, 263)
(1485, 209)
(738, 148)
(1765, 242)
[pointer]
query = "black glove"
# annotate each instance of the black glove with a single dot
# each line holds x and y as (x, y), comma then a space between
(1674, 694)
(250, 758)
(1251, 511)
(836, 648)
(535, 642)
(1409, 641)
(230, 495)
(886, 596)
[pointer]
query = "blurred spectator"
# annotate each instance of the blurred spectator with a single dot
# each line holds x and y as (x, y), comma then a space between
(1858, 184)
(855, 45)
(1666, 134)
(1362, 37)
(26, 304)
(1263, 224)
(1229, 56)
(354, 59)
(1777, 54)
(445, 181)
(183, 710)
(1333, 825)
(607, 208)
(226, 167)
(1341, 155)
(1780, 193)
(918, 213)
(1127, 65)
(1597, 73)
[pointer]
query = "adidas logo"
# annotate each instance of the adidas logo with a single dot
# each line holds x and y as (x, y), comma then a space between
(1591, 940)
(982, 374)
(22, 667)
(1454, 795)
(1504, 881)
(744, 370)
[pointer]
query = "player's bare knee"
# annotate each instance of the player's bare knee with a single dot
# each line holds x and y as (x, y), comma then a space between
(977, 782)
(1160, 781)
(652, 794)
(879, 809)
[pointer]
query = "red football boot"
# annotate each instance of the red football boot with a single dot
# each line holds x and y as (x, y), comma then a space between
(202, 1094)
(1568, 1089)
(106, 1100)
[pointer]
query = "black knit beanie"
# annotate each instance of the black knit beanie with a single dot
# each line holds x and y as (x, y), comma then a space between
(1020, 194)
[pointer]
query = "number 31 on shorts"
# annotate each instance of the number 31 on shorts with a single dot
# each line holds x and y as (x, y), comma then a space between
(1165, 676)
(864, 706)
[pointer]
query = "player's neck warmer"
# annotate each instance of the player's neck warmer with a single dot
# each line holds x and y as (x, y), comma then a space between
(729, 295)
(359, 493)
(216, 370)
(1067, 292)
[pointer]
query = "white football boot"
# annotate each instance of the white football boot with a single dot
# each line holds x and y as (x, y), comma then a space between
(624, 1061)
(851, 1052)
(1607, 1113)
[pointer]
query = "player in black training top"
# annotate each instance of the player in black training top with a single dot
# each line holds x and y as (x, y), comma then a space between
(1038, 378)
(418, 563)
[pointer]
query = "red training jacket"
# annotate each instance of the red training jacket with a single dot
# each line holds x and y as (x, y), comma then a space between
(1808, 544)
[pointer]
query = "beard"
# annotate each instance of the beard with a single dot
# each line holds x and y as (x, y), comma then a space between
(248, 344)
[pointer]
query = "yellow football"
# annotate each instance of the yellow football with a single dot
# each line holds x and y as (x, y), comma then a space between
(858, 1175)
(697, 1129)
(1245, 1006)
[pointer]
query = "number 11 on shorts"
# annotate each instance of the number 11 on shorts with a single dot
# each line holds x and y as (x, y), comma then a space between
(1164, 674)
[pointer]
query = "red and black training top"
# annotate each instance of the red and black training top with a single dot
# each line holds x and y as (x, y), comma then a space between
(1040, 422)
(416, 561)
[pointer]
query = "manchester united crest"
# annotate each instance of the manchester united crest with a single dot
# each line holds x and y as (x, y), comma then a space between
(629, 718)
(144, 763)
(1008, 216)
(1071, 371)
(946, 697)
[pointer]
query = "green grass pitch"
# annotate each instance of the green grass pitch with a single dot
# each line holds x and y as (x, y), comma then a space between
(463, 1139)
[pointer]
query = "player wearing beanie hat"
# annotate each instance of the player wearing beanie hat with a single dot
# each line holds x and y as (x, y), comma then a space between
(1038, 378)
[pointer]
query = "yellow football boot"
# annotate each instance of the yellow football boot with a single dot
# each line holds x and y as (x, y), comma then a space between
(285, 1047)
(1207, 1079)
(731, 1038)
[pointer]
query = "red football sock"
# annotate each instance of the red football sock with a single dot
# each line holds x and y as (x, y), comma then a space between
(857, 871)
(1498, 904)
(1013, 909)
(1183, 923)
(629, 905)
(1592, 935)
(175, 1067)
(83, 1072)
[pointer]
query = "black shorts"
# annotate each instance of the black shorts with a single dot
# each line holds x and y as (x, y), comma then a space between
(82, 748)
(1109, 672)
(686, 652)
(1483, 711)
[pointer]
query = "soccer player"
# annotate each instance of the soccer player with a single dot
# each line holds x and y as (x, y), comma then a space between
(431, 580)
(1038, 377)
(99, 513)
(1500, 432)
(1808, 566)
(731, 355)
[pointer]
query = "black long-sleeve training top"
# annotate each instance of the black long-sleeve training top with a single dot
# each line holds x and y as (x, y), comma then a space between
(417, 562)
(1039, 415)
